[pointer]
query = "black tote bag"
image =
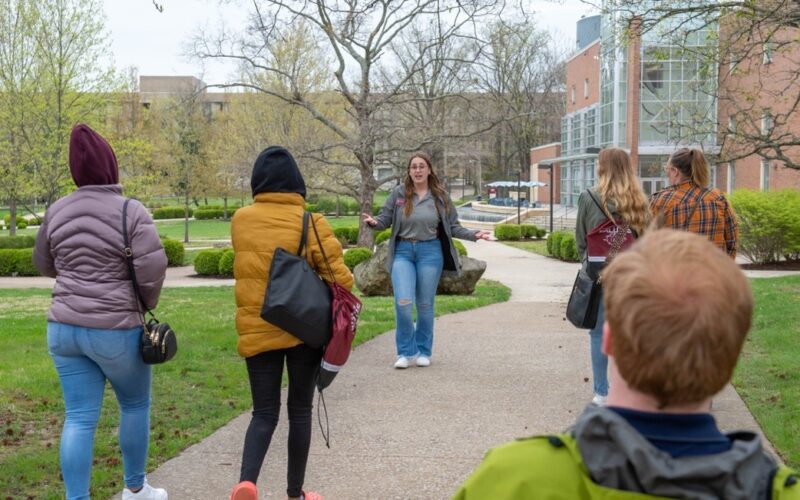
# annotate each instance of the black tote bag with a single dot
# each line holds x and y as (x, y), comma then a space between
(297, 299)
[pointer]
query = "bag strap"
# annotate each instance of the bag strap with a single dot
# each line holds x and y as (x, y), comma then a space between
(129, 260)
(321, 248)
(303, 236)
(602, 207)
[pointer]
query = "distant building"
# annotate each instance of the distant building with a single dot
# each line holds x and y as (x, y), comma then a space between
(152, 88)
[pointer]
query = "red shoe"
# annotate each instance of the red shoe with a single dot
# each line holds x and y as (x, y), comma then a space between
(245, 490)
(311, 495)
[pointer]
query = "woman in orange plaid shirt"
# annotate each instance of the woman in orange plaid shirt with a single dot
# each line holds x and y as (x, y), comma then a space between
(691, 205)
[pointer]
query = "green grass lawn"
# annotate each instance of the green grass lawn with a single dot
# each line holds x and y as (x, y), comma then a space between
(200, 230)
(533, 246)
(767, 377)
(203, 388)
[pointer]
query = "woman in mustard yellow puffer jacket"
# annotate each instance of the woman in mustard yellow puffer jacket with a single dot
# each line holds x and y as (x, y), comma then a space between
(275, 219)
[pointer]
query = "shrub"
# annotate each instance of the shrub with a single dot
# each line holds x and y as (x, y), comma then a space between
(208, 213)
(768, 224)
(7, 219)
(528, 230)
(22, 225)
(540, 233)
(383, 236)
(17, 241)
(226, 263)
(174, 212)
(507, 232)
(554, 243)
(174, 250)
(342, 234)
(462, 250)
(569, 248)
(376, 209)
(326, 205)
(23, 262)
(356, 256)
(352, 235)
(7, 261)
(207, 262)
(311, 207)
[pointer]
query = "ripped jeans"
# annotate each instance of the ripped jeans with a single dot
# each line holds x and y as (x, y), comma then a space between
(416, 270)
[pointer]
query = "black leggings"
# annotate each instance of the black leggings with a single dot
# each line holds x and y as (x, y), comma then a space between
(266, 372)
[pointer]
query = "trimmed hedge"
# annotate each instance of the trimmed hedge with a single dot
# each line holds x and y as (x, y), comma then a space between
(540, 233)
(554, 243)
(17, 260)
(507, 232)
(17, 241)
(226, 263)
(569, 248)
(174, 250)
(356, 256)
(347, 234)
(769, 225)
(528, 230)
(213, 213)
(207, 262)
(383, 236)
(170, 212)
(462, 250)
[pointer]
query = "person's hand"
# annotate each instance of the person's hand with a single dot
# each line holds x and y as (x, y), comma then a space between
(369, 220)
(484, 235)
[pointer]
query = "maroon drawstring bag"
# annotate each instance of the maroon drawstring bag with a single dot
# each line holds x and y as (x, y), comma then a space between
(345, 308)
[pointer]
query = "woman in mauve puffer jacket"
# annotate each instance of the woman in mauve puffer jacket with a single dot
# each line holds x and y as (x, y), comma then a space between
(94, 326)
(275, 219)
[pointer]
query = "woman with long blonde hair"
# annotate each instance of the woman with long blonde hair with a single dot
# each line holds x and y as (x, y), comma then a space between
(618, 197)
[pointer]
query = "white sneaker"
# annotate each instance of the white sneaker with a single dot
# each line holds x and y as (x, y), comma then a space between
(401, 363)
(146, 493)
(423, 361)
(599, 400)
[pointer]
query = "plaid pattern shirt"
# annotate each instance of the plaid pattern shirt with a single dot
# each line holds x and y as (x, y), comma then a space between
(713, 217)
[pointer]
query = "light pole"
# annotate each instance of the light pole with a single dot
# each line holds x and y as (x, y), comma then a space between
(549, 168)
(519, 198)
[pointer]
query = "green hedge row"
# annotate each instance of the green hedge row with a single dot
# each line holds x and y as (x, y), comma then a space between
(513, 232)
(212, 213)
(17, 260)
(214, 262)
(26, 241)
(171, 213)
(347, 235)
(769, 224)
(562, 245)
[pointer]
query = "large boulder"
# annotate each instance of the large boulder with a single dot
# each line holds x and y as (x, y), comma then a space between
(372, 278)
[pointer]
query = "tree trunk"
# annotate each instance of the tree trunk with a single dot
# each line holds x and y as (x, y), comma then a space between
(225, 207)
(186, 217)
(12, 222)
(366, 235)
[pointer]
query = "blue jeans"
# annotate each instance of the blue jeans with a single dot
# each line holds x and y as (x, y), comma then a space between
(416, 270)
(84, 359)
(599, 360)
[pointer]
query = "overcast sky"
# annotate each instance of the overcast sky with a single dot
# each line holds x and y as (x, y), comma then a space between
(154, 41)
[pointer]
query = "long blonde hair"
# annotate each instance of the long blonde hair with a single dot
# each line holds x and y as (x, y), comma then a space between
(437, 191)
(692, 164)
(618, 182)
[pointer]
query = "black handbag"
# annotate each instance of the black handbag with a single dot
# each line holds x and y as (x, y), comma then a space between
(159, 343)
(297, 299)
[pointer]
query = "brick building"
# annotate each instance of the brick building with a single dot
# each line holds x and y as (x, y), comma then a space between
(670, 101)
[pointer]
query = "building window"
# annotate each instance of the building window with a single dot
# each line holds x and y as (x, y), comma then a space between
(713, 176)
(586, 88)
(766, 122)
(573, 94)
(765, 175)
(591, 127)
(576, 132)
(768, 49)
(731, 176)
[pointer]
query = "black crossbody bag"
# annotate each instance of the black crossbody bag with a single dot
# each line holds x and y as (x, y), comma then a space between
(159, 343)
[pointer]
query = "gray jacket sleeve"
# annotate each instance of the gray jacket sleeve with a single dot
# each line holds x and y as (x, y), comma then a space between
(580, 224)
(42, 258)
(149, 258)
(386, 216)
(456, 229)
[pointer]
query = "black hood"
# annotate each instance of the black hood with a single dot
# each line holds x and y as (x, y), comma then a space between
(275, 171)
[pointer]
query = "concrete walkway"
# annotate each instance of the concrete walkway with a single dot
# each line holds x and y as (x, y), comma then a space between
(499, 372)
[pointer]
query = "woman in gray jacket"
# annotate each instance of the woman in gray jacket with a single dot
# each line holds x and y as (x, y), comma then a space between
(94, 326)
(423, 221)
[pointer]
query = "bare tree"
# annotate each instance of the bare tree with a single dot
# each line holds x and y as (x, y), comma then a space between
(736, 42)
(354, 37)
